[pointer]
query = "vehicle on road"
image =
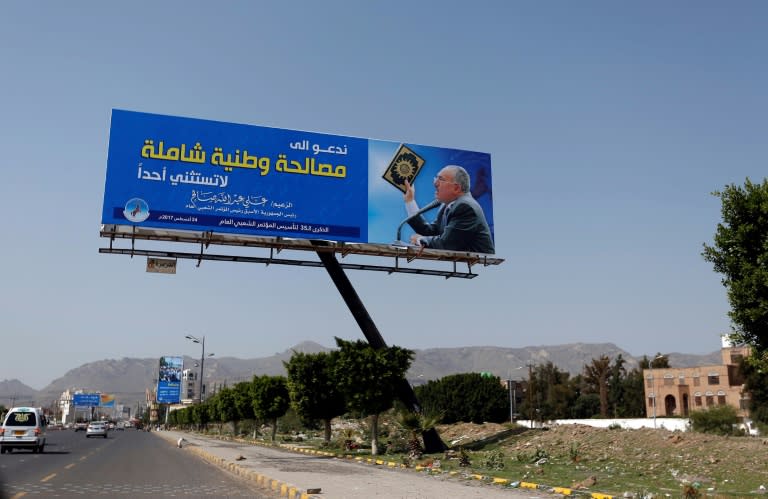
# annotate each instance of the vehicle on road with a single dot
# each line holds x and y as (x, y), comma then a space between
(23, 428)
(81, 426)
(96, 429)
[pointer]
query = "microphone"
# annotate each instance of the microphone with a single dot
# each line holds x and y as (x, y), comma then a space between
(434, 204)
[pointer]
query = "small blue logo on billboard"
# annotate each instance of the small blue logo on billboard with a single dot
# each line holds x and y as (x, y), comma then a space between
(136, 210)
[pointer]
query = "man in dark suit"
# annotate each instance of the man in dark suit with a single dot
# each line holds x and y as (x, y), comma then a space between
(460, 224)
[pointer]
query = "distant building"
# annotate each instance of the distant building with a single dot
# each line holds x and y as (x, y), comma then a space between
(671, 392)
(189, 386)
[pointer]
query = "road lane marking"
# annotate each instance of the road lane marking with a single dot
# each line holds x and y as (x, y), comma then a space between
(20, 494)
(69, 466)
(48, 477)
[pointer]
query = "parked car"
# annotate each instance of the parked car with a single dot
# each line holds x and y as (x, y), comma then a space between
(23, 428)
(96, 429)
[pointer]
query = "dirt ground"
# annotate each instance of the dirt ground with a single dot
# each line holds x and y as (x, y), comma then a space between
(710, 460)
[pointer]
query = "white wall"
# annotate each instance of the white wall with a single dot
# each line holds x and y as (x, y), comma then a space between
(671, 424)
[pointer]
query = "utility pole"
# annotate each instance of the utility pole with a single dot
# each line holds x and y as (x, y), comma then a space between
(530, 393)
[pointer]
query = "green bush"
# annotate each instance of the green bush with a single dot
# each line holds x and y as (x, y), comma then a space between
(493, 460)
(718, 420)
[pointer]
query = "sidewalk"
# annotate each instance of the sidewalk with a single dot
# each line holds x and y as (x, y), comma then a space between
(299, 475)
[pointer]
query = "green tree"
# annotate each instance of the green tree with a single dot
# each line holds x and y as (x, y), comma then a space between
(244, 400)
(465, 397)
(270, 399)
(226, 410)
(740, 254)
(596, 378)
(369, 377)
(554, 392)
(313, 389)
(632, 403)
(586, 406)
(755, 371)
(615, 386)
(200, 415)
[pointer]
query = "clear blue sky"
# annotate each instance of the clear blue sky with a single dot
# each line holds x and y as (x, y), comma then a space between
(609, 125)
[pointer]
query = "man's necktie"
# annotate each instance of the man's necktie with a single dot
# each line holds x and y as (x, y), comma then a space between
(444, 218)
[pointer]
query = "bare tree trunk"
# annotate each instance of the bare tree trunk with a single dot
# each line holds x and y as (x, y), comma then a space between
(274, 428)
(375, 435)
(327, 433)
(603, 398)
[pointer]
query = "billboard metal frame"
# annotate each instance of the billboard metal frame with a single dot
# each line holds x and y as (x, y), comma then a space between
(442, 263)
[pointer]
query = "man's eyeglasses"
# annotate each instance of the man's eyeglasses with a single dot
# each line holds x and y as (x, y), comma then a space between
(441, 179)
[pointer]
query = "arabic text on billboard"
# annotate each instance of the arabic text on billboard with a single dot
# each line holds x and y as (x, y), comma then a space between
(169, 172)
(86, 399)
(169, 380)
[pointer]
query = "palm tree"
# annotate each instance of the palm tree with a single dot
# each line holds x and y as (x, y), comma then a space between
(596, 375)
(416, 424)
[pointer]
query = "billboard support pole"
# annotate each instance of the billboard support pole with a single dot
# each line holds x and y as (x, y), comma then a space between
(432, 441)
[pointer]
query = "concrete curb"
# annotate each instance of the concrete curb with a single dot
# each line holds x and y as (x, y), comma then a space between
(286, 489)
(504, 482)
(283, 488)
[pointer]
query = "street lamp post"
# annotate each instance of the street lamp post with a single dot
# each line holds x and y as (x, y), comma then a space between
(201, 341)
(653, 398)
(653, 386)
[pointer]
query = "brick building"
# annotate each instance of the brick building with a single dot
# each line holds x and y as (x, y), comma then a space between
(671, 392)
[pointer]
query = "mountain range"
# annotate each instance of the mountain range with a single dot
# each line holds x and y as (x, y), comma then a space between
(129, 378)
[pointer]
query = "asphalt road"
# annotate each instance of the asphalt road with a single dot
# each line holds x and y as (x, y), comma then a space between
(128, 463)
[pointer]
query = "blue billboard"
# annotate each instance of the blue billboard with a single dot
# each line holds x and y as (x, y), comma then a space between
(169, 380)
(169, 172)
(86, 399)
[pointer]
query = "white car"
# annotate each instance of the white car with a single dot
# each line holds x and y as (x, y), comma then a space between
(23, 428)
(96, 429)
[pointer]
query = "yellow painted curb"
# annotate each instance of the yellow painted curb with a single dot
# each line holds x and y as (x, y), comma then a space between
(284, 489)
(597, 495)
(502, 481)
(477, 477)
(562, 490)
(528, 485)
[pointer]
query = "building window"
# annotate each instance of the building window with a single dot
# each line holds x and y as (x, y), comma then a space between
(713, 379)
(669, 380)
(710, 400)
(743, 404)
(720, 397)
(649, 382)
(736, 358)
(696, 380)
(697, 400)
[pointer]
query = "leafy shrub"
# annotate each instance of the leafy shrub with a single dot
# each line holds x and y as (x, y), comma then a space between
(464, 458)
(574, 452)
(493, 460)
(718, 420)
(540, 454)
